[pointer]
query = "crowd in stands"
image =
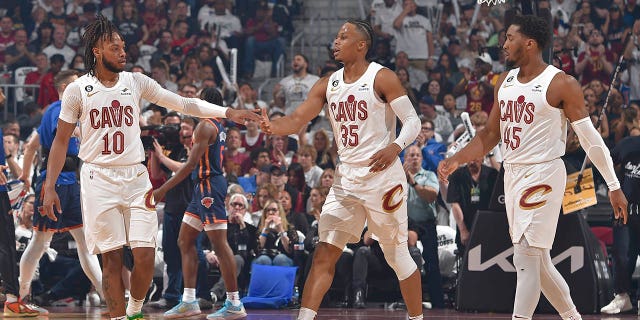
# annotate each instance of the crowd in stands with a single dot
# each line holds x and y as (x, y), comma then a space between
(277, 184)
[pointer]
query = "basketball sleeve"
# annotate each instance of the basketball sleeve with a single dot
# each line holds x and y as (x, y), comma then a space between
(403, 108)
(71, 103)
(596, 150)
(154, 93)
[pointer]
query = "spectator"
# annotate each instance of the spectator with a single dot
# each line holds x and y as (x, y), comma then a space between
(432, 151)
(256, 178)
(432, 89)
(248, 98)
(596, 62)
(189, 91)
(214, 18)
(258, 158)
(29, 120)
(416, 76)
(297, 85)
(279, 150)
(405, 80)
(6, 37)
(164, 48)
(131, 26)
(368, 263)
(180, 12)
(58, 13)
(59, 46)
(234, 153)
(262, 39)
(451, 112)
(477, 87)
(295, 180)
(413, 35)
(298, 219)
(160, 73)
(632, 56)
(307, 156)
(563, 54)
(442, 123)
(13, 155)
(631, 13)
(181, 37)
(614, 30)
(421, 209)
(47, 93)
(44, 38)
(326, 153)
(38, 17)
(241, 238)
(469, 190)
(190, 72)
(264, 191)
(383, 13)
(326, 179)
(383, 54)
(628, 121)
(277, 236)
(77, 63)
(317, 197)
(19, 54)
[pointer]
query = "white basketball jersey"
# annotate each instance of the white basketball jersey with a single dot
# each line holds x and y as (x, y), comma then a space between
(362, 123)
(532, 131)
(109, 118)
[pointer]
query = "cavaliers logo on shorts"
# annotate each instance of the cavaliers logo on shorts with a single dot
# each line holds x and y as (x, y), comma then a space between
(149, 201)
(530, 192)
(207, 202)
(388, 197)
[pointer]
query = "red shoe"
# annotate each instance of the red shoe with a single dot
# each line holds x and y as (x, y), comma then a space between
(18, 309)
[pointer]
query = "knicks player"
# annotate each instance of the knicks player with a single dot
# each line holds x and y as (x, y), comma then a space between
(118, 208)
(533, 103)
(205, 212)
(363, 100)
(68, 188)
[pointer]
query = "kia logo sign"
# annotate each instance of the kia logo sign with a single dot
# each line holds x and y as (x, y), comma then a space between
(575, 254)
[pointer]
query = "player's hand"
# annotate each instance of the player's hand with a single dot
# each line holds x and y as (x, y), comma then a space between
(50, 202)
(158, 195)
(445, 168)
(265, 123)
(619, 204)
(382, 159)
(25, 179)
(243, 116)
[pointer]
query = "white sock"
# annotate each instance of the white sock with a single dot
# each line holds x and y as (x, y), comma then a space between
(11, 298)
(120, 318)
(306, 314)
(134, 306)
(88, 262)
(234, 297)
(189, 295)
(29, 260)
(420, 317)
(571, 315)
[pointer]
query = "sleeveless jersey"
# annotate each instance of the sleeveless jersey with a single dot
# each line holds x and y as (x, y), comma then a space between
(532, 131)
(361, 122)
(210, 164)
(109, 117)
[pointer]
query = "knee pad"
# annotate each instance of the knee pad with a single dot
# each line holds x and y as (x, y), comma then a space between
(399, 259)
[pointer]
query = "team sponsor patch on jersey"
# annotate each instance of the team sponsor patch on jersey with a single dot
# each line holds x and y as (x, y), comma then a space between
(88, 88)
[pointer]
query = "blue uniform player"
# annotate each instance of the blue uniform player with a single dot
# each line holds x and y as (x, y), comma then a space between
(205, 212)
(67, 187)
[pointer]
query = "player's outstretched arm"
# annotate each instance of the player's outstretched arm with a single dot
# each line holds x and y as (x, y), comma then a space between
(484, 141)
(201, 136)
(153, 92)
(565, 91)
(57, 156)
(30, 149)
(304, 113)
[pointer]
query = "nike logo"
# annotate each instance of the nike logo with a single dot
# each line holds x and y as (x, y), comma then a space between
(90, 94)
(528, 174)
(139, 174)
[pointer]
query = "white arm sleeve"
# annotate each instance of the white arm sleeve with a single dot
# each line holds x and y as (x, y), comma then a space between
(596, 150)
(154, 93)
(71, 103)
(403, 108)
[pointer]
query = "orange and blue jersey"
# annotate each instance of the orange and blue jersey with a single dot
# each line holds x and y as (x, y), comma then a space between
(210, 163)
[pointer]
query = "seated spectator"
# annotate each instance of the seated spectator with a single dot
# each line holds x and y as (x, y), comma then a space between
(130, 24)
(47, 94)
(253, 138)
(413, 35)
(596, 62)
(416, 76)
(296, 181)
(250, 183)
(307, 156)
(36, 76)
(277, 236)
(216, 19)
(248, 98)
(233, 151)
(160, 73)
(442, 125)
(317, 197)
(44, 38)
(264, 192)
(13, 155)
(19, 54)
(241, 238)
(326, 179)
(59, 46)
(258, 158)
(432, 151)
(295, 87)
(262, 39)
(24, 229)
(405, 80)
(77, 63)
(326, 158)
(190, 72)
(298, 219)
(368, 263)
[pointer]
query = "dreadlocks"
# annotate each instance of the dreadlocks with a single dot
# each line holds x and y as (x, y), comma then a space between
(102, 28)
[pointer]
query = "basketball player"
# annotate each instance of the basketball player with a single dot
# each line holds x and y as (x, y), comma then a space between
(533, 103)
(115, 187)
(206, 211)
(363, 100)
(67, 187)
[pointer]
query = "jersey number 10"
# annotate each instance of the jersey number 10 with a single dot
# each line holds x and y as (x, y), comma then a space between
(117, 143)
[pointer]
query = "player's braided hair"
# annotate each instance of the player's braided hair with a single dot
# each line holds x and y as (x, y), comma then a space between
(101, 28)
(365, 28)
(534, 27)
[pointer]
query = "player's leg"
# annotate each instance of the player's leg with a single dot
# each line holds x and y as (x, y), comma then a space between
(526, 260)
(320, 277)
(29, 260)
(88, 262)
(112, 286)
(555, 288)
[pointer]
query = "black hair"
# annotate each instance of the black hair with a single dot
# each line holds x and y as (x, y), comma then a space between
(365, 29)
(101, 28)
(211, 95)
(534, 27)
